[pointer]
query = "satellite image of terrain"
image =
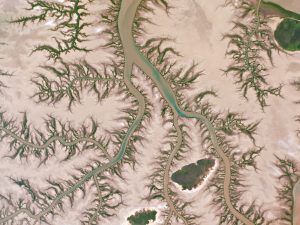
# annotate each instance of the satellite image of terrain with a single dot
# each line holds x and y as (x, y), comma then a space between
(149, 112)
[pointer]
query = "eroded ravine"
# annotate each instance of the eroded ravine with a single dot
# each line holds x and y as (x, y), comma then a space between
(134, 56)
(37, 217)
(126, 18)
(166, 178)
(54, 139)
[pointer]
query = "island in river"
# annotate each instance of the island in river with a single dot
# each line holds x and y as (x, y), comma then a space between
(142, 217)
(191, 175)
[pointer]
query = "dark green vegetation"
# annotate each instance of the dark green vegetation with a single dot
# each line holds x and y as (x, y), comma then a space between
(70, 25)
(213, 127)
(289, 175)
(250, 40)
(142, 217)
(287, 34)
(191, 175)
(71, 78)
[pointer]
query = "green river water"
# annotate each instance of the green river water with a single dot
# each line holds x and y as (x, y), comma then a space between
(133, 56)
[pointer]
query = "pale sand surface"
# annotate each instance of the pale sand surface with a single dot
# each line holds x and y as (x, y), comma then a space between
(197, 28)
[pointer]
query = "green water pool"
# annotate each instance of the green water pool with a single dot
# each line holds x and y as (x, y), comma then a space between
(287, 34)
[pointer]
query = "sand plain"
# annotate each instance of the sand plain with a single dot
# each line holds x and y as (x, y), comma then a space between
(196, 28)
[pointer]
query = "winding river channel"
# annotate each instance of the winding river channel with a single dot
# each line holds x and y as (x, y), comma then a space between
(134, 56)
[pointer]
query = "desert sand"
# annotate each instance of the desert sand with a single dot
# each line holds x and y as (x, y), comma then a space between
(196, 28)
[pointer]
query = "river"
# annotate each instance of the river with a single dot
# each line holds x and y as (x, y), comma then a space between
(134, 56)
